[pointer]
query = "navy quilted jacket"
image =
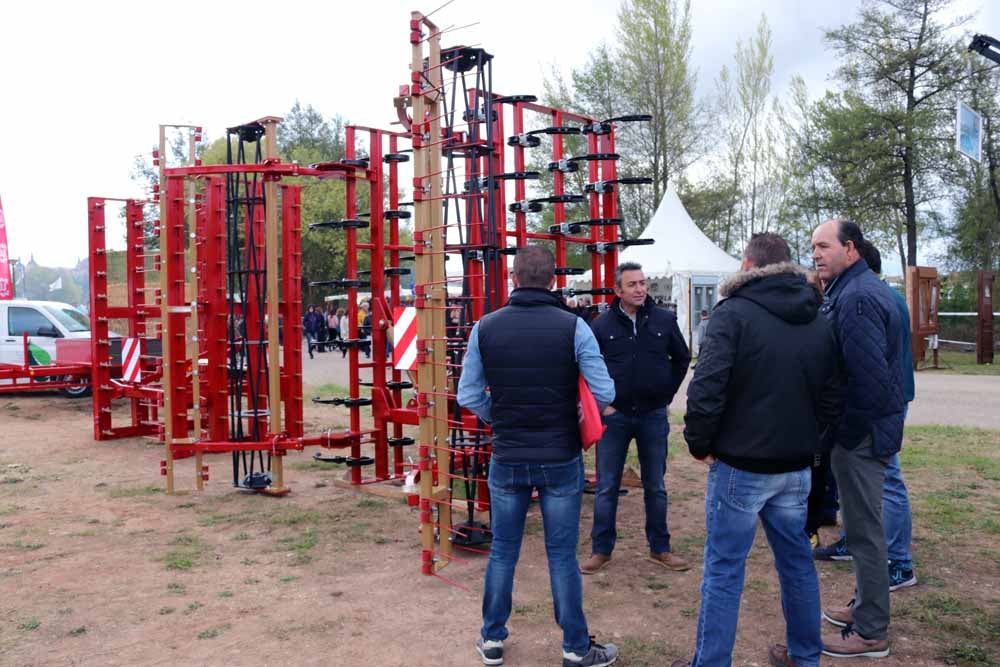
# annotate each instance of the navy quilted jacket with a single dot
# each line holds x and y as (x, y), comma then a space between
(866, 322)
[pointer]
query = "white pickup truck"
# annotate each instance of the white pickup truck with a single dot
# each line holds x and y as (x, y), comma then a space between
(45, 322)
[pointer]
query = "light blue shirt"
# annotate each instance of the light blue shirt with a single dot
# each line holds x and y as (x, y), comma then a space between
(472, 392)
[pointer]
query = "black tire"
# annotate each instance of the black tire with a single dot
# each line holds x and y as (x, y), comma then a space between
(80, 391)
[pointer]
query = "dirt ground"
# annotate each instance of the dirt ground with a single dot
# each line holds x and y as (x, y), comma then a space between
(99, 567)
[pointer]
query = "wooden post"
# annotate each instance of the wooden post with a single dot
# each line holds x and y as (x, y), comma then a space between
(167, 426)
(194, 342)
(984, 323)
(270, 124)
(922, 298)
(430, 237)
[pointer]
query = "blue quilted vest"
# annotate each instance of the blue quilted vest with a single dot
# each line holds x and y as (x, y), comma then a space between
(529, 358)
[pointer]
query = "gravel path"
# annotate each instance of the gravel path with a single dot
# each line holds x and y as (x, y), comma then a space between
(959, 400)
(942, 398)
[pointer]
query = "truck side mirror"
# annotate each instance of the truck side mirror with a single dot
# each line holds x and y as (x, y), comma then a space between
(48, 332)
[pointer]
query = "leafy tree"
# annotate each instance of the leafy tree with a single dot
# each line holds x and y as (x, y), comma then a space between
(647, 70)
(901, 69)
(855, 146)
(750, 154)
(709, 202)
(807, 203)
(305, 133)
(654, 56)
(974, 232)
(743, 105)
(39, 279)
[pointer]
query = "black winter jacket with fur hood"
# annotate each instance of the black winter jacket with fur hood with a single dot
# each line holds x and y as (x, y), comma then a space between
(765, 386)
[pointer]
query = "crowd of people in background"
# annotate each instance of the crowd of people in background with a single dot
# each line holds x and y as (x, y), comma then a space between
(329, 329)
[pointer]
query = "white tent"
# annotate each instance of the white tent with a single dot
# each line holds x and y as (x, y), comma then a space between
(682, 254)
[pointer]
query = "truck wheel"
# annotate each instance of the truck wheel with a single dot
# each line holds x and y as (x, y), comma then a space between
(81, 390)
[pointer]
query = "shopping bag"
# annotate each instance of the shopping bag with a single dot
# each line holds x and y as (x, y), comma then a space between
(589, 415)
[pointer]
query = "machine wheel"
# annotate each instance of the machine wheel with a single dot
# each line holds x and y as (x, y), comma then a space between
(80, 391)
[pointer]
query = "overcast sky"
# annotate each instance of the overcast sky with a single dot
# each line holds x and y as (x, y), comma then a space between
(84, 85)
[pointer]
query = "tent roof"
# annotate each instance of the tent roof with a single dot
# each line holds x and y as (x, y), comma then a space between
(680, 246)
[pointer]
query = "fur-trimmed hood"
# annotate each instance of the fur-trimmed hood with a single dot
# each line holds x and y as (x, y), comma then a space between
(783, 289)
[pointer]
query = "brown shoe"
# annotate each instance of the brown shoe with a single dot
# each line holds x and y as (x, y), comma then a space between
(840, 616)
(594, 564)
(777, 656)
(670, 560)
(849, 644)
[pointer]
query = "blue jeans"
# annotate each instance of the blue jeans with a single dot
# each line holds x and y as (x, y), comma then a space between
(896, 518)
(734, 499)
(560, 491)
(650, 430)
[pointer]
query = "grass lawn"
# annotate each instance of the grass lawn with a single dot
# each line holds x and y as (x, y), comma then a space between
(963, 363)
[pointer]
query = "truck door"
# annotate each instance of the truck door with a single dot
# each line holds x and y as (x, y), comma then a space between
(41, 332)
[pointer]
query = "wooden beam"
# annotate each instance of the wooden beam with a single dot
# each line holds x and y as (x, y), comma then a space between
(270, 124)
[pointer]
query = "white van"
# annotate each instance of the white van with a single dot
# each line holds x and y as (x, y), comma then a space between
(44, 322)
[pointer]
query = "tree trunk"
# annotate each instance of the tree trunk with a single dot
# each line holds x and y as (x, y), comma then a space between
(899, 248)
(911, 207)
(993, 169)
(992, 174)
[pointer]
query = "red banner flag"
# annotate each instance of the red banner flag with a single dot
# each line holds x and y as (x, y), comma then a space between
(6, 285)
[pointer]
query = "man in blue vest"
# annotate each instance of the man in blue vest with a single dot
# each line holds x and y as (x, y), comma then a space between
(530, 354)
(866, 322)
(648, 358)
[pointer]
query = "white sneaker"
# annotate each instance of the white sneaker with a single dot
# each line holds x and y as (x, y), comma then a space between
(490, 650)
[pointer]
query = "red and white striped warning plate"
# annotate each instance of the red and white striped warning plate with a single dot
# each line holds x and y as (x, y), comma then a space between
(131, 349)
(404, 338)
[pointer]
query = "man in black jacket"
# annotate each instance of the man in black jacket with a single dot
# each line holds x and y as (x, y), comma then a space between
(764, 389)
(647, 358)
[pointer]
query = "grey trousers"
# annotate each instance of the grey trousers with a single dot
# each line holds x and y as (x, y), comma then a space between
(860, 476)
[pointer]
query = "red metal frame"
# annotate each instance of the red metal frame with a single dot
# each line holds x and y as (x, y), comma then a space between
(387, 412)
(144, 397)
(480, 290)
(208, 242)
(25, 377)
(212, 434)
(383, 251)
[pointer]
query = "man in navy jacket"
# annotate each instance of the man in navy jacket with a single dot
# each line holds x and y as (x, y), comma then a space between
(866, 322)
(896, 517)
(647, 358)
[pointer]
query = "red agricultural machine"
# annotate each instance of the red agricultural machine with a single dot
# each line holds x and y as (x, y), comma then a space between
(213, 363)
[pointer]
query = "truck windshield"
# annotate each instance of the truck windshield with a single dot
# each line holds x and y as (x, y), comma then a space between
(70, 318)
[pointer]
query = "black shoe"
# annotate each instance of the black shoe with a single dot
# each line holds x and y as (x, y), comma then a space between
(490, 650)
(836, 551)
(900, 577)
(598, 656)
